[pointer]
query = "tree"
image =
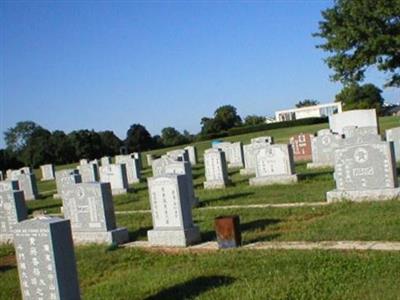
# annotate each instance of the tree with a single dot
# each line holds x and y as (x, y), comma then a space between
(171, 137)
(360, 34)
(87, 143)
(227, 116)
(16, 137)
(210, 125)
(253, 120)
(63, 149)
(307, 102)
(9, 160)
(355, 96)
(38, 150)
(110, 143)
(138, 138)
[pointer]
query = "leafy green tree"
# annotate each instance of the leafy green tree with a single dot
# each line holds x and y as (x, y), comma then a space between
(9, 160)
(38, 149)
(63, 149)
(171, 137)
(355, 96)
(138, 138)
(360, 34)
(87, 143)
(227, 117)
(307, 102)
(110, 143)
(16, 137)
(210, 125)
(253, 120)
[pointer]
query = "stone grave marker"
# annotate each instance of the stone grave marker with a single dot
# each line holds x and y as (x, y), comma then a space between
(365, 172)
(225, 147)
(83, 161)
(27, 184)
(105, 161)
(149, 158)
(9, 185)
(216, 171)
(323, 149)
(12, 211)
(90, 208)
(179, 155)
(262, 140)
(47, 172)
(274, 165)
(393, 135)
(132, 167)
(302, 146)
(66, 178)
(89, 172)
(171, 212)
(236, 155)
(116, 175)
(358, 118)
(46, 259)
(249, 154)
(192, 152)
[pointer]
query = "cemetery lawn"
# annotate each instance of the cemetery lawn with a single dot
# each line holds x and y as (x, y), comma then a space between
(127, 273)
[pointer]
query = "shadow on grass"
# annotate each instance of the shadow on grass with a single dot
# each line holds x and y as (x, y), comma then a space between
(192, 288)
(139, 234)
(44, 207)
(226, 197)
(260, 225)
(313, 175)
(6, 268)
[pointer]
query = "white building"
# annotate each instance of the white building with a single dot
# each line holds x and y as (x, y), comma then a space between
(315, 111)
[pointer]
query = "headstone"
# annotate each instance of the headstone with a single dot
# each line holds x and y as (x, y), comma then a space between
(66, 178)
(274, 165)
(216, 172)
(27, 184)
(12, 211)
(365, 172)
(90, 208)
(132, 167)
(359, 136)
(236, 155)
(89, 172)
(178, 155)
(116, 175)
(25, 170)
(323, 149)
(192, 152)
(46, 260)
(302, 146)
(83, 161)
(137, 155)
(351, 131)
(171, 212)
(47, 172)
(1, 176)
(184, 168)
(158, 165)
(9, 185)
(224, 146)
(358, 118)
(262, 139)
(105, 161)
(393, 135)
(9, 174)
(249, 154)
(149, 158)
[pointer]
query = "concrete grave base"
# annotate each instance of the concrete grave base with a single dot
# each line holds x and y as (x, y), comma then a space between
(366, 195)
(237, 165)
(313, 165)
(174, 237)
(247, 172)
(210, 185)
(6, 238)
(269, 180)
(116, 236)
(118, 191)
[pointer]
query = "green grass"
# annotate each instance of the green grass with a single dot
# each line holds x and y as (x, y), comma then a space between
(242, 274)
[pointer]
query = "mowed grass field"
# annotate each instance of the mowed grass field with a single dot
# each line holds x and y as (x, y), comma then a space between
(127, 273)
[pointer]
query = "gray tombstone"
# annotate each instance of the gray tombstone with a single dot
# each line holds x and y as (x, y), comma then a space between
(179, 155)
(27, 184)
(132, 167)
(263, 140)
(216, 171)
(171, 212)
(137, 156)
(274, 165)
(225, 147)
(46, 259)
(83, 161)
(48, 172)
(249, 155)
(365, 172)
(9, 185)
(149, 159)
(64, 179)
(89, 172)
(393, 135)
(192, 152)
(323, 149)
(12, 211)
(115, 174)
(357, 117)
(90, 208)
(105, 161)
(236, 155)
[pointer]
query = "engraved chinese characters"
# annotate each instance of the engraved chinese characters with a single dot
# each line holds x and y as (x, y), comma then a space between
(301, 145)
(215, 169)
(171, 212)
(274, 164)
(12, 211)
(323, 149)
(90, 208)
(46, 260)
(365, 172)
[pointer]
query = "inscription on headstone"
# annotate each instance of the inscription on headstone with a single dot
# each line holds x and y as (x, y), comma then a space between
(323, 149)
(216, 172)
(66, 178)
(301, 145)
(89, 172)
(12, 211)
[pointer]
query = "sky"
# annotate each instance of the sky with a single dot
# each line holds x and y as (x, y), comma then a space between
(101, 65)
